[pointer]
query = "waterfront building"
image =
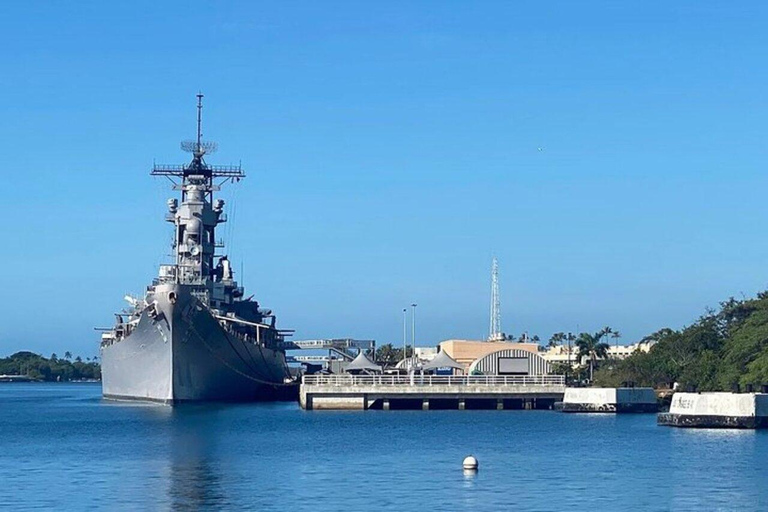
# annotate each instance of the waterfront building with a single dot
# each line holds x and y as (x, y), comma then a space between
(565, 355)
(425, 353)
(467, 352)
(510, 361)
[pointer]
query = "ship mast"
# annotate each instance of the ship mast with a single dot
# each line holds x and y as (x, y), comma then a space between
(199, 120)
(198, 215)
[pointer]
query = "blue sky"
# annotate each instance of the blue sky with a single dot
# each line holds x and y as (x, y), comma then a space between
(392, 149)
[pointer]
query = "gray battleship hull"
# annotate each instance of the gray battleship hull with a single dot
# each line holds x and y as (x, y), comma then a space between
(178, 352)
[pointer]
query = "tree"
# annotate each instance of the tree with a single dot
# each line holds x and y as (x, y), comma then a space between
(54, 357)
(616, 335)
(556, 339)
(389, 355)
(67, 355)
(78, 359)
(38, 367)
(592, 347)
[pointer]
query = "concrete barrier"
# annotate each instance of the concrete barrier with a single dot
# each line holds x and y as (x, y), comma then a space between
(717, 410)
(610, 400)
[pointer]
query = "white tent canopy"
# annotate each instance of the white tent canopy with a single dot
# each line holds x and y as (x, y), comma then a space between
(362, 363)
(443, 360)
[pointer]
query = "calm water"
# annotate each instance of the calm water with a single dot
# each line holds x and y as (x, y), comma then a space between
(61, 446)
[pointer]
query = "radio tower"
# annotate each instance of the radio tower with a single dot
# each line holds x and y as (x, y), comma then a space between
(495, 333)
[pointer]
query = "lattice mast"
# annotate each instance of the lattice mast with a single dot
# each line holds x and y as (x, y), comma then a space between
(495, 333)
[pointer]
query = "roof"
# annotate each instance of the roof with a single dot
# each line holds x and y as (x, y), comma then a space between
(443, 360)
(467, 351)
(362, 363)
(489, 364)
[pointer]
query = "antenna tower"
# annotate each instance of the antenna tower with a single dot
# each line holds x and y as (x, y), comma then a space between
(495, 333)
(199, 147)
(197, 169)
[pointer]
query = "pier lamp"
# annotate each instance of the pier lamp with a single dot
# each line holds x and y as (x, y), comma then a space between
(413, 332)
(405, 336)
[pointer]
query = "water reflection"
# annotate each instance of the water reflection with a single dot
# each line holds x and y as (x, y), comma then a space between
(194, 479)
(95, 455)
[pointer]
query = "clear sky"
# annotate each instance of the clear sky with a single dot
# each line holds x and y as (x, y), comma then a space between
(392, 148)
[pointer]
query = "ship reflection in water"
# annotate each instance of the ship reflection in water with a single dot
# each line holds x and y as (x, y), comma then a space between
(194, 472)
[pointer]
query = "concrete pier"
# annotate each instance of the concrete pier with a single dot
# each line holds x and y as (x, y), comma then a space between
(427, 392)
(717, 410)
(610, 400)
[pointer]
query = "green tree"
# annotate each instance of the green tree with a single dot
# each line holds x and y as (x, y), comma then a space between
(38, 367)
(556, 339)
(390, 355)
(591, 347)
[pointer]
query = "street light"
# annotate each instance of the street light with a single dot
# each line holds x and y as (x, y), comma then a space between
(405, 336)
(413, 331)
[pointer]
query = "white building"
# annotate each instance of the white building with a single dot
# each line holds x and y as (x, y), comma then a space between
(562, 354)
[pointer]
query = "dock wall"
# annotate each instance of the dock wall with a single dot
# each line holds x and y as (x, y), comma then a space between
(717, 410)
(610, 400)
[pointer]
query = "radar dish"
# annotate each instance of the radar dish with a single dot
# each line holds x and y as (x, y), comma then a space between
(206, 147)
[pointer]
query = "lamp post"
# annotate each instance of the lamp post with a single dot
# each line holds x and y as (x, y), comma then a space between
(570, 351)
(413, 332)
(405, 336)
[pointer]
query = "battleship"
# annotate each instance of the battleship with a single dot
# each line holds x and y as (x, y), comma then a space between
(193, 336)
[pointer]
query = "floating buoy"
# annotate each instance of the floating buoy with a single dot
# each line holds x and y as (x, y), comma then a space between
(470, 463)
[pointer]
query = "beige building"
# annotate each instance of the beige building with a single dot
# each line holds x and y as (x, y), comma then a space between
(468, 351)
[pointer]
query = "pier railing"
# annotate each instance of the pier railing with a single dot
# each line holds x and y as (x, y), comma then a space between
(434, 380)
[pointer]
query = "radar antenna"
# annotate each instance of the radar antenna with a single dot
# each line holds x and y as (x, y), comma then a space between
(199, 148)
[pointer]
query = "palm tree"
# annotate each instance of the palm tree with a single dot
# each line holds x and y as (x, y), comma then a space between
(616, 335)
(556, 338)
(67, 355)
(592, 347)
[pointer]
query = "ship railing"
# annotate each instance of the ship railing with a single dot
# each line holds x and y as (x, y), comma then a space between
(435, 380)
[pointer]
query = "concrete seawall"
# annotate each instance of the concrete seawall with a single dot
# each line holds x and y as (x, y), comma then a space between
(609, 400)
(717, 410)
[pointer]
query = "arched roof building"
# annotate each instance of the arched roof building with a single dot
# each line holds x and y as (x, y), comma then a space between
(510, 361)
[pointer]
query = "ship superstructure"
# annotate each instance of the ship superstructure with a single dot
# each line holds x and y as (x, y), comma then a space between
(193, 336)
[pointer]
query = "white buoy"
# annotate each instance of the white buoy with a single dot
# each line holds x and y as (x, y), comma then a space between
(470, 462)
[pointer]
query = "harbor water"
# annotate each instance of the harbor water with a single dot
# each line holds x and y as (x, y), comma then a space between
(62, 446)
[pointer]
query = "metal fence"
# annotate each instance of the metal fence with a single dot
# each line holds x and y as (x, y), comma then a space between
(435, 380)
